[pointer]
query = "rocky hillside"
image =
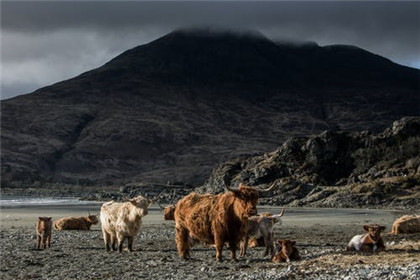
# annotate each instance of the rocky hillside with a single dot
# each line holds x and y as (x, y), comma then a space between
(172, 109)
(335, 169)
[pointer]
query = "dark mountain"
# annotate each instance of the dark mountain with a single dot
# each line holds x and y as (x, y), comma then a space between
(173, 108)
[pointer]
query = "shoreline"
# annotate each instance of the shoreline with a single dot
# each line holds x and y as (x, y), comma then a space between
(104, 196)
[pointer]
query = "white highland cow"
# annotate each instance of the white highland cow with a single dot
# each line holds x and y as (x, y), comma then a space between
(121, 220)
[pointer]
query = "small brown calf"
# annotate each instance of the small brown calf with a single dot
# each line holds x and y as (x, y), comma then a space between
(169, 213)
(286, 251)
(368, 242)
(43, 232)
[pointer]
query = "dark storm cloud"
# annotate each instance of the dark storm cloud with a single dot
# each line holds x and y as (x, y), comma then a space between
(43, 36)
(44, 16)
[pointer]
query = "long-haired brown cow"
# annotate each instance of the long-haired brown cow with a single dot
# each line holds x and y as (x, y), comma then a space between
(43, 232)
(215, 219)
(76, 223)
(406, 224)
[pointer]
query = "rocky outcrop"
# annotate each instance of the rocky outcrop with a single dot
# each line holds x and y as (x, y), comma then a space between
(169, 193)
(335, 169)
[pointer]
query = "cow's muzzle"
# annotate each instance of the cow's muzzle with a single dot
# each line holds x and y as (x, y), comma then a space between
(252, 212)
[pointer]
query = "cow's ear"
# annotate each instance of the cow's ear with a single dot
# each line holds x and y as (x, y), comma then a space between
(293, 242)
(382, 228)
(366, 227)
(133, 201)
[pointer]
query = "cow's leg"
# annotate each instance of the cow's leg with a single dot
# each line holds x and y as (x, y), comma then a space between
(38, 241)
(182, 242)
(269, 247)
(106, 239)
(295, 255)
(130, 243)
(244, 245)
(350, 248)
(380, 245)
(232, 248)
(120, 239)
(44, 241)
(366, 248)
(49, 241)
(113, 242)
(219, 243)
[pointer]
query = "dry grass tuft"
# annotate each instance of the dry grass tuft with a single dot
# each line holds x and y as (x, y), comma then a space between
(403, 253)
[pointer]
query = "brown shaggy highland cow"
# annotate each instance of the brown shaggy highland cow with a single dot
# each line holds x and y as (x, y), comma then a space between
(215, 219)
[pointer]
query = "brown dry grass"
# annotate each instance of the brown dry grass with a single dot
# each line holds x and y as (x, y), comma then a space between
(406, 252)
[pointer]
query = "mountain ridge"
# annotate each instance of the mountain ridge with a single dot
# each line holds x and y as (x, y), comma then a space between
(173, 108)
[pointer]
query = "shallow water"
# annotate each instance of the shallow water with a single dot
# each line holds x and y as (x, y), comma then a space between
(18, 211)
(26, 201)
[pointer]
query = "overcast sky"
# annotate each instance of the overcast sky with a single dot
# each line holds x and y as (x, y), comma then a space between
(46, 42)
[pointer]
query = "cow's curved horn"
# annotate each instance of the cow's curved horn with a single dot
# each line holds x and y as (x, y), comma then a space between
(269, 188)
(282, 212)
(158, 202)
(156, 198)
(227, 186)
(173, 197)
(230, 189)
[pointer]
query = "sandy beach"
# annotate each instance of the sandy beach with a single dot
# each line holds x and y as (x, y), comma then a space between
(321, 236)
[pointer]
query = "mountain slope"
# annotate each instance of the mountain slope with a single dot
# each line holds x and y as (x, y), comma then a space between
(171, 109)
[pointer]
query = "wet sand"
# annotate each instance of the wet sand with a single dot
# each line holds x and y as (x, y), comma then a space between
(321, 236)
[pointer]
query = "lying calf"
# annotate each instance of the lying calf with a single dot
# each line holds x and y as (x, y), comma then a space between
(406, 224)
(286, 251)
(368, 242)
(76, 223)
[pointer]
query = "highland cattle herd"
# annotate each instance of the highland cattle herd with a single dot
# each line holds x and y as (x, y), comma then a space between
(229, 218)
